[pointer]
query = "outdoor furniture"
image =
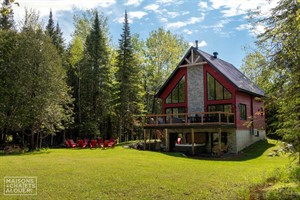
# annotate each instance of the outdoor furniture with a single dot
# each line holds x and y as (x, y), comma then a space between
(81, 143)
(72, 143)
(67, 144)
(93, 144)
(100, 142)
(112, 142)
(105, 145)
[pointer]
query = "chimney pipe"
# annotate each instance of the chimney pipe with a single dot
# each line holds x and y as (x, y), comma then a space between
(196, 44)
(215, 54)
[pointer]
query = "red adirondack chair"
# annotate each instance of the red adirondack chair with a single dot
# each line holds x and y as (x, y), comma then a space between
(93, 144)
(72, 143)
(81, 143)
(67, 144)
(100, 142)
(111, 142)
(106, 142)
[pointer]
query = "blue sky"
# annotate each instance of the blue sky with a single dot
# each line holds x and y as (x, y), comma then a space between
(218, 25)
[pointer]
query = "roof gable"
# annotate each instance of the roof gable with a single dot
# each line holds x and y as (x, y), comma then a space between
(242, 82)
(226, 69)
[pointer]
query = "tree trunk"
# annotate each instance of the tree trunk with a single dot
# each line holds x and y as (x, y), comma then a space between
(32, 141)
(37, 141)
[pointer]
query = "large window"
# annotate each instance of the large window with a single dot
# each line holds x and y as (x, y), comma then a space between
(177, 95)
(220, 108)
(216, 91)
(243, 111)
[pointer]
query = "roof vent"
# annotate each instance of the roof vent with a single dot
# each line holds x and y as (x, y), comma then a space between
(196, 44)
(215, 54)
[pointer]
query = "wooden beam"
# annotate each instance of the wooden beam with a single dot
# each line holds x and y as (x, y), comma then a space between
(219, 141)
(193, 64)
(167, 140)
(197, 59)
(193, 141)
(192, 52)
(187, 60)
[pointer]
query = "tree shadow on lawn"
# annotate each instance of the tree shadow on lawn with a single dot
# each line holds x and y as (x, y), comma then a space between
(253, 151)
(26, 153)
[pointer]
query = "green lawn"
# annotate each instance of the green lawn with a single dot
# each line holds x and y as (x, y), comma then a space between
(131, 174)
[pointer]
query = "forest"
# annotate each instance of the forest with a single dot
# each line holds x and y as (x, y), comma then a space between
(51, 90)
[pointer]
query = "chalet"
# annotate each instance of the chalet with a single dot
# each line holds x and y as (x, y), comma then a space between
(208, 106)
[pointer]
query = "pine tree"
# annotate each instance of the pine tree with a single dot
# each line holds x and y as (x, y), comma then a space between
(129, 88)
(95, 76)
(59, 40)
(50, 28)
(6, 15)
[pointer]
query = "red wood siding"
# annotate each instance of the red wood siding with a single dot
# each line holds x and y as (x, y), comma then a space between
(259, 114)
(242, 98)
(175, 79)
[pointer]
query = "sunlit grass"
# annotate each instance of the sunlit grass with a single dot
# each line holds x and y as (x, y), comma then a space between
(130, 174)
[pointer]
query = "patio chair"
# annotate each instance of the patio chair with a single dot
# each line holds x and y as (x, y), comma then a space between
(111, 142)
(93, 144)
(100, 142)
(81, 143)
(105, 144)
(72, 143)
(67, 144)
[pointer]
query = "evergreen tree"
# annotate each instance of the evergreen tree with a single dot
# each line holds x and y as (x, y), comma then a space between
(59, 40)
(95, 92)
(55, 34)
(50, 28)
(129, 87)
(6, 15)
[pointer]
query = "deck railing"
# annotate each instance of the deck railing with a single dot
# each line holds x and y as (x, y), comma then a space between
(196, 118)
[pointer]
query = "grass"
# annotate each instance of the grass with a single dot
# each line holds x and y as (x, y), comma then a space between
(130, 174)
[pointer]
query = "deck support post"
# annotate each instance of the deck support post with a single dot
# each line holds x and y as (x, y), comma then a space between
(219, 141)
(193, 141)
(167, 140)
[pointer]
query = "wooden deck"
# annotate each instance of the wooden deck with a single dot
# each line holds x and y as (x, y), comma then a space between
(189, 120)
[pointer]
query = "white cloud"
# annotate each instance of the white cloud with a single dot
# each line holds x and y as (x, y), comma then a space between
(203, 5)
(187, 31)
(44, 6)
(152, 7)
(169, 2)
(136, 14)
(231, 8)
(202, 44)
(179, 24)
(133, 2)
(244, 27)
(131, 16)
(163, 19)
(258, 29)
(176, 25)
(173, 14)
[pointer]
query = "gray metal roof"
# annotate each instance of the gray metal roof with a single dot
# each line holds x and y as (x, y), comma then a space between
(233, 75)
